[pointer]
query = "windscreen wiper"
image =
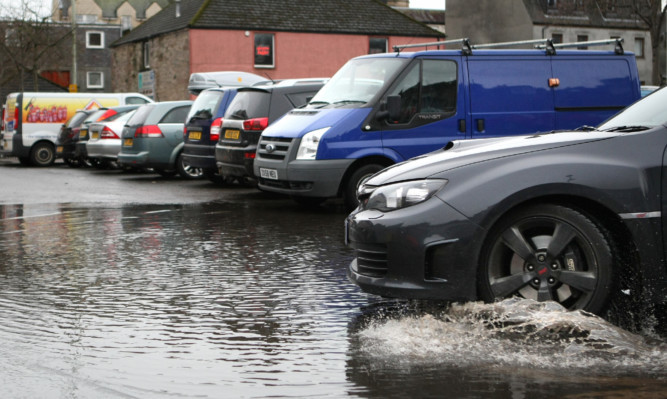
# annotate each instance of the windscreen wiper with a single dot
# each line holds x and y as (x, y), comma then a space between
(627, 129)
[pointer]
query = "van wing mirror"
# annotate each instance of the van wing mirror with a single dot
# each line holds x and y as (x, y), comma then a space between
(391, 109)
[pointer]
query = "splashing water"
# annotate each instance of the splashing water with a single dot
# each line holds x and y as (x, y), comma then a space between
(514, 332)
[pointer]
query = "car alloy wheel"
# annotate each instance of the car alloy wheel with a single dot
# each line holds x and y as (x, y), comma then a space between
(548, 252)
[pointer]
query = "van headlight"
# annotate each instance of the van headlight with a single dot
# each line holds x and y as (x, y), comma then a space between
(401, 195)
(309, 144)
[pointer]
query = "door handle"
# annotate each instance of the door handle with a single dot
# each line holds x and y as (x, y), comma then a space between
(480, 125)
(462, 125)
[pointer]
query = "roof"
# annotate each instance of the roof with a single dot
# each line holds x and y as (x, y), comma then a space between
(14, 85)
(109, 7)
(585, 13)
(366, 17)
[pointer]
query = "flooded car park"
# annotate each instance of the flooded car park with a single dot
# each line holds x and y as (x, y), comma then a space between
(229, 292)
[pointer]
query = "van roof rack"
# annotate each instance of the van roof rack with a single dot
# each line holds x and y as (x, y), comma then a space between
(465, 45)
(547, 44)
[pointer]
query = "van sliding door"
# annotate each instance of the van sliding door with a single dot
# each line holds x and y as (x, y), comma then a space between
(510, 95)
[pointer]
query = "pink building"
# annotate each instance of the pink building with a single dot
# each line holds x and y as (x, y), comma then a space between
(290, 39)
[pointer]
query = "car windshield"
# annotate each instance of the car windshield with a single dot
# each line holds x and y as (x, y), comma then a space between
(358, 82)
(205, 105)
(646, 113)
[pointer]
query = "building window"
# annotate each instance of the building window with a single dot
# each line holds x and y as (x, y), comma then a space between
(639, 47)
(94, 39)
(264, 50)
(377, 45)
(86, 18)
(552, 3)
(146, 51)
(125, 22)
(582, 38)
(557, 38)
(95, 80)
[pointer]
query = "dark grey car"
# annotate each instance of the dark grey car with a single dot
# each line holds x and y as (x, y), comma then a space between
(574, 217)
(153, 138)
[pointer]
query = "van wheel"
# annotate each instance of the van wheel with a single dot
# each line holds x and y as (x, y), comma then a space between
(186, 170)
(350, 194)
(548, 252)
(42, 154)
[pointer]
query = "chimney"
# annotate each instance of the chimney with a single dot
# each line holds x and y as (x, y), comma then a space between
(178, 8)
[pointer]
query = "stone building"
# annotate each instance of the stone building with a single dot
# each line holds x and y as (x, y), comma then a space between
(292, 39)
(126, 13)
(488, 21)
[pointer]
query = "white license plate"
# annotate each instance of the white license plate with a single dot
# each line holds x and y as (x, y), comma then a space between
(268, 173)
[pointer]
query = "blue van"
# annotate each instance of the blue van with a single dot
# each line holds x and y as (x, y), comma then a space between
(381, 109)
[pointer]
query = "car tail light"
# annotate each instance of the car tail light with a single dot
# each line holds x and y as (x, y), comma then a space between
(148, 131)
(255, 124)
(108, 114)
(107, 133)
(216, 127)
(185, 131)
(73, 133)
(249, 155)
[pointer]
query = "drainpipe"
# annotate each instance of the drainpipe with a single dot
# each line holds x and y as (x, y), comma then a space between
(178, 8)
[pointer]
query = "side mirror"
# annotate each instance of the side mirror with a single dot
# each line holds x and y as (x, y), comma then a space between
(391, 109)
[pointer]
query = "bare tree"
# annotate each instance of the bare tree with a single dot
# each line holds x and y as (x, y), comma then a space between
(30, 43)
(652, 13)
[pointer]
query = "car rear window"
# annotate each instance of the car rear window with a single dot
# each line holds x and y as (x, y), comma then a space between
(141, 115)
(205, 105)
(249, 104)
(77, 119)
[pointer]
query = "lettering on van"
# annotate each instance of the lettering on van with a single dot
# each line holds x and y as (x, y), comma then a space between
(430, 117)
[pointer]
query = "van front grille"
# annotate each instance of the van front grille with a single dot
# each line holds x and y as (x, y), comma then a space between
(274, 148)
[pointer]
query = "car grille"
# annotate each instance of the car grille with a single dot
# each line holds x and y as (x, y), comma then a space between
(372, 260)
(281, 147)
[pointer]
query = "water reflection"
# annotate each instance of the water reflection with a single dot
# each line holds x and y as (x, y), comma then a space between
(243, 298)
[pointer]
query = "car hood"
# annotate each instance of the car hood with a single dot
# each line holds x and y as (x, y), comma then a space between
(465, 152)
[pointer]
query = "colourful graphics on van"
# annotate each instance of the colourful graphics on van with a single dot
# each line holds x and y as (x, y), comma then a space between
(10, 113)
(60, 109)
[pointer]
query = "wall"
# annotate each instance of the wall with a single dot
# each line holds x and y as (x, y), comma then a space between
(488, 21)
(169, 60)
(297, 55)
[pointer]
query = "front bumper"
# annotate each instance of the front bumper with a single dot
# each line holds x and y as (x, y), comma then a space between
(426, 251)
(318, 178)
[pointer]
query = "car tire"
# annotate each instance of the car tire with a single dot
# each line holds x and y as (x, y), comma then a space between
(350, 194)
(42, 154)
(548, 252)
(186, 171)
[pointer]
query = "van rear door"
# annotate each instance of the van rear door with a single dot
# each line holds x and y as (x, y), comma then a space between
(510, 94)
(592, 88)
(433, 107)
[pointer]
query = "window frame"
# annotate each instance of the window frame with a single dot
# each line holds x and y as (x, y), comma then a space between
(370, 46)
(272, 50)
(146, 54)
(89, 85)
(643, 47)
(89, 33)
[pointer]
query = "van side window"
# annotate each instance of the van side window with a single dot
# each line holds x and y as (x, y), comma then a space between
(135, 100)
(428, 87)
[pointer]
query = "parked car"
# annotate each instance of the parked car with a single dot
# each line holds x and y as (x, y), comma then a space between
(202, 130)
(81, 149)
(68, 135)
(105, 142)
(572, 216)
(381, 109)
(646, 90)
(153, 138)
(33, 120)
(250, 112)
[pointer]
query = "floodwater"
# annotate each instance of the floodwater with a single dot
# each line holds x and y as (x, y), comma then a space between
(249, 298)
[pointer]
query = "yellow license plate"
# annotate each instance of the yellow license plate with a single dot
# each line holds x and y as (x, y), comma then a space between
(127, 142)
(232, 134)
(82, 134)
(95, 136)
(59, 149)
(195, 136)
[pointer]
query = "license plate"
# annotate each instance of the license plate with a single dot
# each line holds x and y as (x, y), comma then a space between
(95, 136)
(82, 134)
(232, 134)
(59, 149)
(268, 173)
(127, 142)
(195, 136)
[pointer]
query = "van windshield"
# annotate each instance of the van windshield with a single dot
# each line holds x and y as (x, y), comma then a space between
(358, 82)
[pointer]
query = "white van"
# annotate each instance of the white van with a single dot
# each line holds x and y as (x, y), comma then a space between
(32, 120)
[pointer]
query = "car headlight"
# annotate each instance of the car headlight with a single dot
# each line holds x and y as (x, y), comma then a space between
(309, 144)
(401, 195)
